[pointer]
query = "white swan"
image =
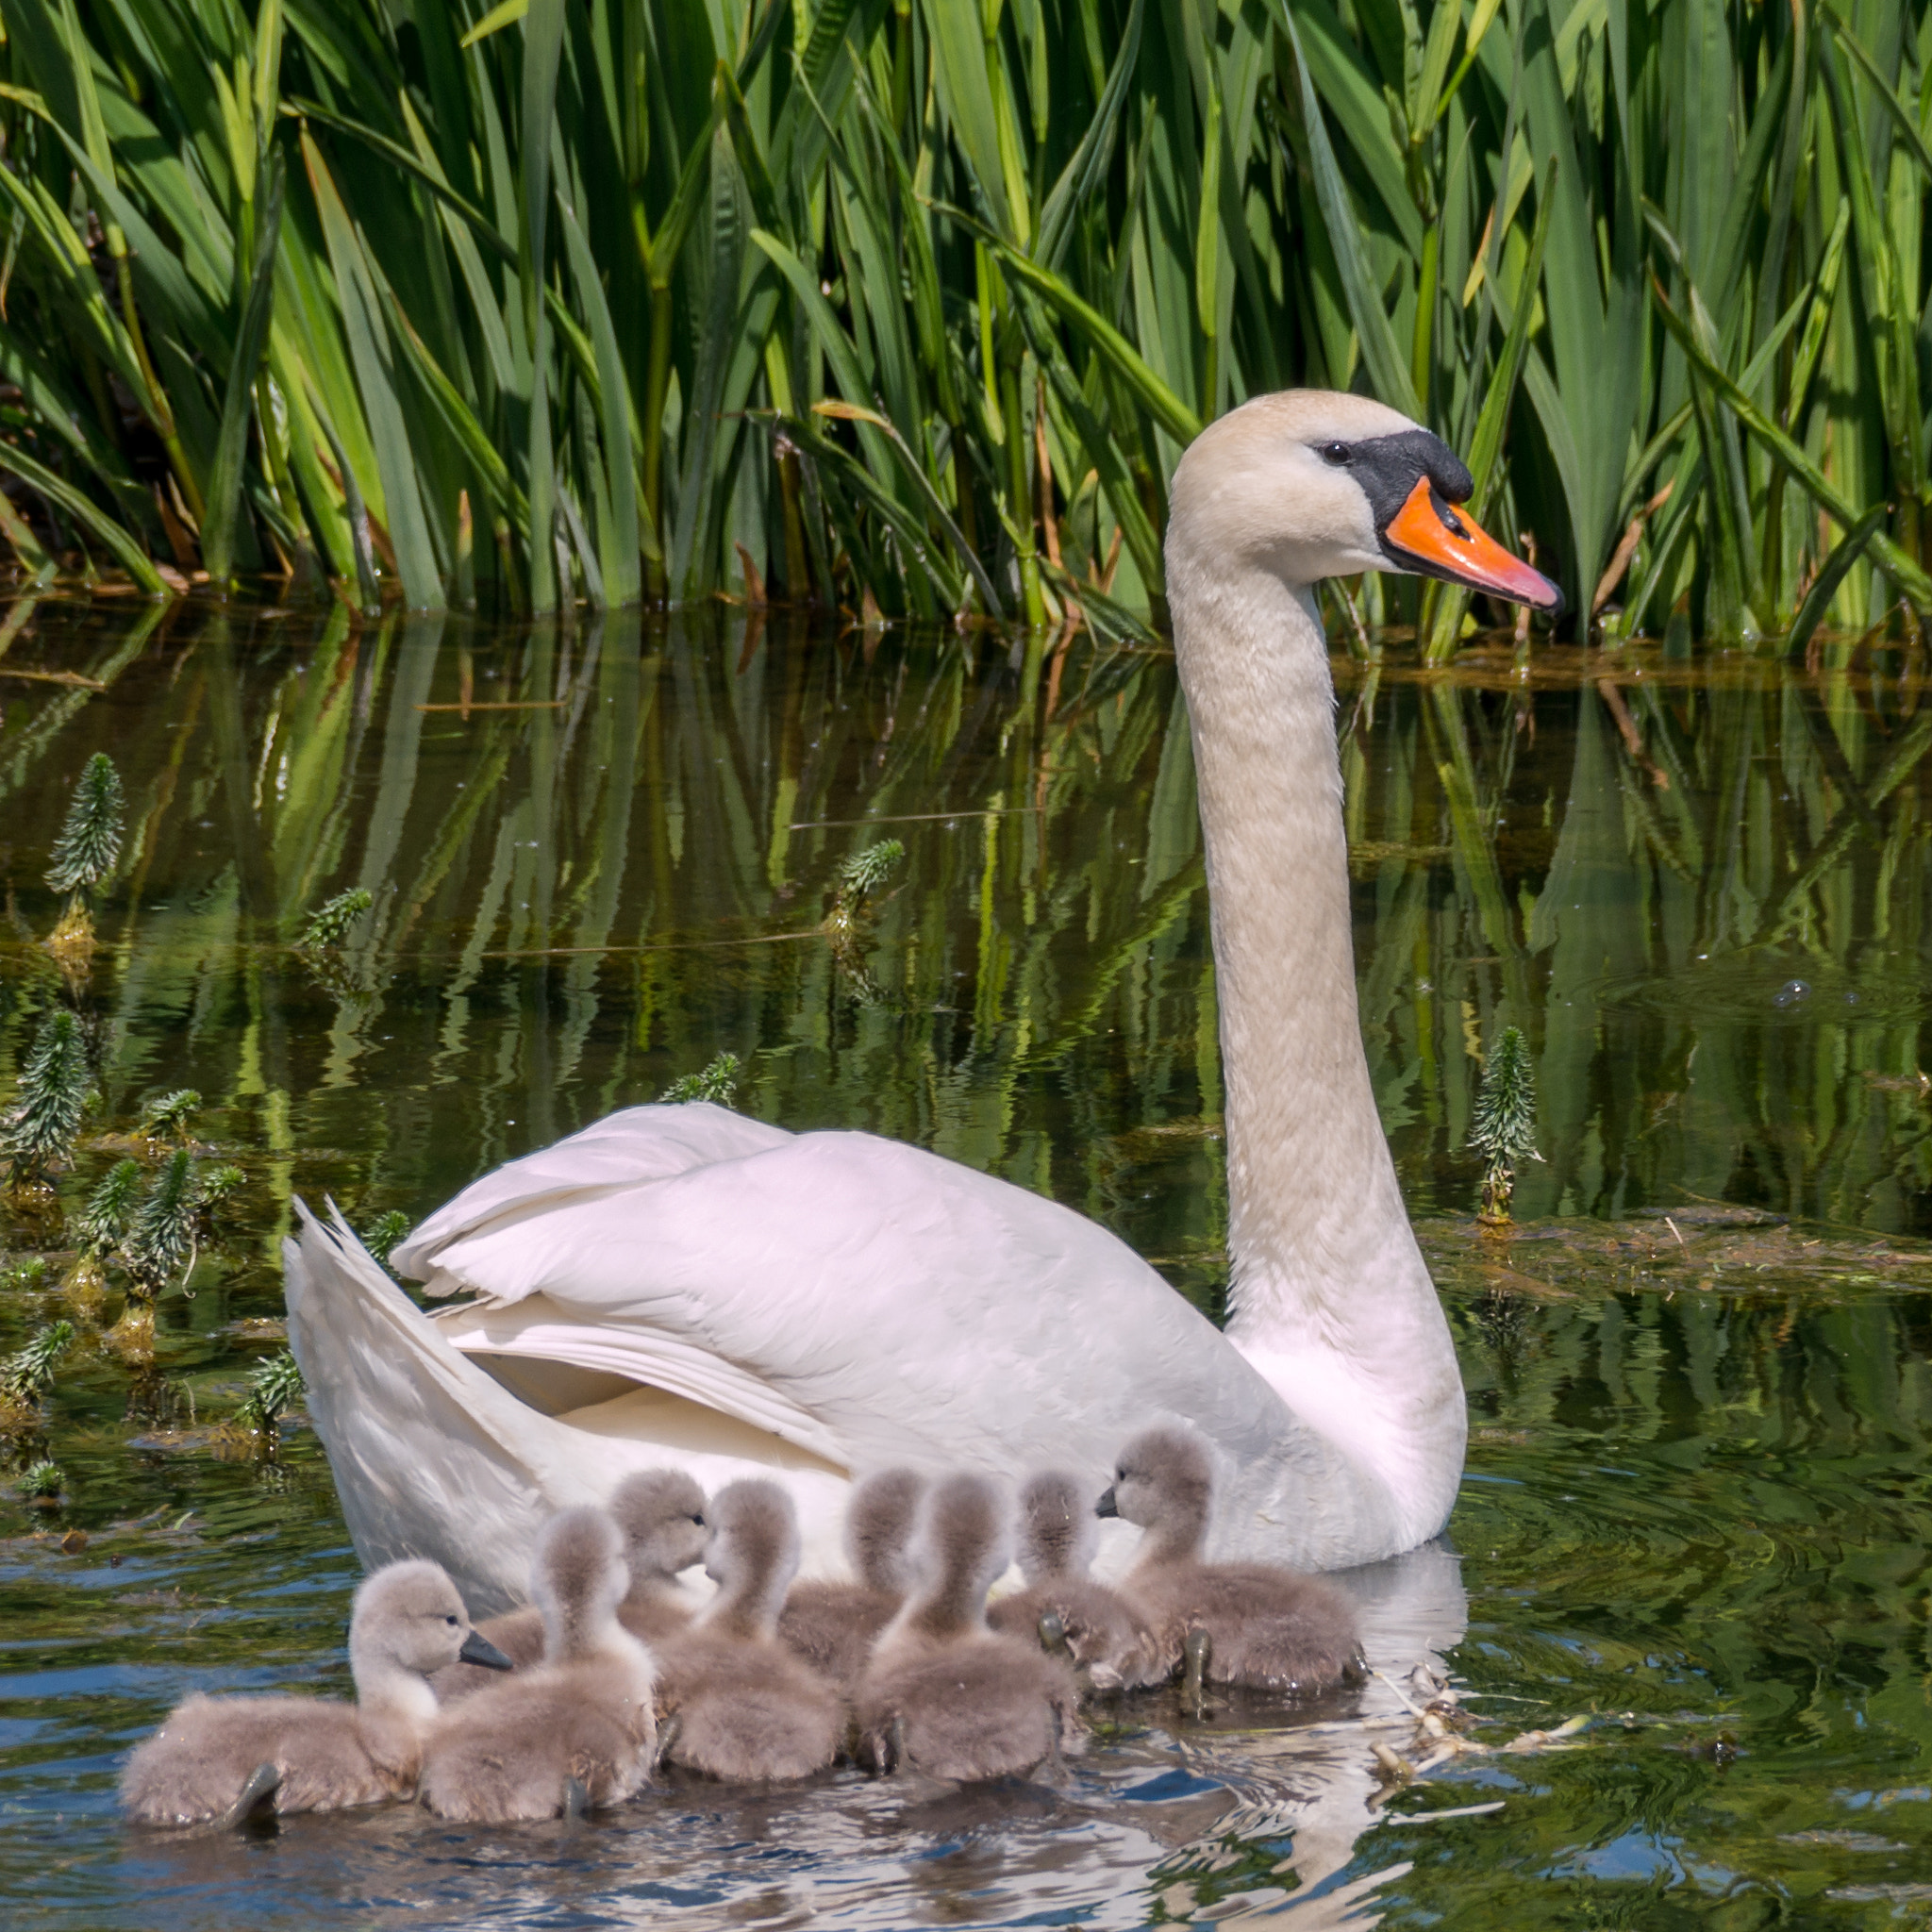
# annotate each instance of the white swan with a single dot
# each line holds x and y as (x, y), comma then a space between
(682, 1285)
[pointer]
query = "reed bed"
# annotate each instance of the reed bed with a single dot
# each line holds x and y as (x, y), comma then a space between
(911, 308)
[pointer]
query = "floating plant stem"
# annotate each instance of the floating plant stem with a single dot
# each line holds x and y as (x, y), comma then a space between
(273, 1390)
(717, 1081)
(1502, 1125)
(331, 922)
(384, 1232)
(160, 1238)
(166, 1117)
(865, 872)
(37, 1132)
(214, 1188)
(88, 849)
(41, 1483)
(27, 1376)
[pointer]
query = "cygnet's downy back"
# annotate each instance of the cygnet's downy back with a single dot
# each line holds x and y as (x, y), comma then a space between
(833, 1625)
(944, 1695)
(1062, 1606)
(738, 1704)
(215, 1759)
(578, 1730)
(1248, 1623)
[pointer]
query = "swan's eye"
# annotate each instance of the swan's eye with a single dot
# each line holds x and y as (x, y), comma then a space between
(699, 1520)
(1336, 452)
(451, 1621)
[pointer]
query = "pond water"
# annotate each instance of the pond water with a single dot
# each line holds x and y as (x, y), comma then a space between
(1697, 1501)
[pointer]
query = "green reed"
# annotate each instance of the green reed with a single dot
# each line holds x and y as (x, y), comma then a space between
(911, 308)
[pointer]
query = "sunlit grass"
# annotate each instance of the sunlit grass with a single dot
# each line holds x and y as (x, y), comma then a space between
(912, 308)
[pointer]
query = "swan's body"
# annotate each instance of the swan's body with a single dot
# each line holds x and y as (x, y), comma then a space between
(680, 1283)
(324, 1754)
(585, 1718)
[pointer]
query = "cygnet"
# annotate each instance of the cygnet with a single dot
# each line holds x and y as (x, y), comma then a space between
(1062, 1602)
(946, 1695)
(229, 1758)
(832, 1625)
(736, 1703)
(577, 1731)
(662, 1514)
(1249, 1624)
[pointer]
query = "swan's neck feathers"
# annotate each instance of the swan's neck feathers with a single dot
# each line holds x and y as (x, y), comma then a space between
(1329, 1296)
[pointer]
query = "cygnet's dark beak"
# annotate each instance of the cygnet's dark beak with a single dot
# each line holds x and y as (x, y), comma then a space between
(1105, 1506)
(477, 1649)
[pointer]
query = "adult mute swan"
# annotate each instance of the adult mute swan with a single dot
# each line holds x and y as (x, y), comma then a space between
(680, 1285)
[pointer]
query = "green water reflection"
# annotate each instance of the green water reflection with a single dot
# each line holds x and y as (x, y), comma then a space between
(1696, 1501)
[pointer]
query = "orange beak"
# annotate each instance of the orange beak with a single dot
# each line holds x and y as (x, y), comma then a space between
(1447, 544)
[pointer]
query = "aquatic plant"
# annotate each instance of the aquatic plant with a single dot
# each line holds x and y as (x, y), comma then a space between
(37, 1133)
(1502, 1125)
(381, 1235)
(214, 1186)
(273, 1388)
(88, 848)
(29, 1271)
(545, 304)
(161, 1234)
(332, 922)
(716, 1081)
(27, 1377)
(109, 1208)
(40, 1482)
(166, 1116)
(865, 872)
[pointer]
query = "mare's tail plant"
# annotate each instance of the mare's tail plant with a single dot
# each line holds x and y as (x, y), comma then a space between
(25, 1379)
(332, 922)
(87, 850)
(37, 1133)
(273, 1390)
(166, 1117)
(384, 1232)
(102, 1227)
(856, 881)
(1502, 1125)
(717, 1081)
(162, 1235)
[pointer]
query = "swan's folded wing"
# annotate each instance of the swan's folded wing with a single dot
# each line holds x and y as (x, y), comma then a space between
(641, 1144)
(914, 1308)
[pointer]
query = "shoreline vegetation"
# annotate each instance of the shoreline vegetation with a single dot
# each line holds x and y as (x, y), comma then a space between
(910, 308)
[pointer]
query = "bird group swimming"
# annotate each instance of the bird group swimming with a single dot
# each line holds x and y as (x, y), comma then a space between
(616, 1670)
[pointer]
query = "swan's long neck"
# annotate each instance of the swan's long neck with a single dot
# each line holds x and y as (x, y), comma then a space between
(1330, 1299)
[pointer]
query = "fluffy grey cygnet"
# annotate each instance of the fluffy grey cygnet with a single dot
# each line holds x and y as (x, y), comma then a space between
(833, 1625)
(736, 1703)
(580, 1729)
(1260, 1625)
(662, 1514)
(945, 1694)
(1103, 1631)
(217, 1758)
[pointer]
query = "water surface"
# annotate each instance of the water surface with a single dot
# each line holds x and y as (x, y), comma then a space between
(1696, 1504)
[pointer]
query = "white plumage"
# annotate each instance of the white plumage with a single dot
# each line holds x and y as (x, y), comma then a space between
(681, 1285)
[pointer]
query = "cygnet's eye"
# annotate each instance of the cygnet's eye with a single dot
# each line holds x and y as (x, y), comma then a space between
(1336, 452)
(451, 1621)
(699, 1520)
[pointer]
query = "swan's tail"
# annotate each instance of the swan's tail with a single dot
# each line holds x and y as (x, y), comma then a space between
(431, 1456)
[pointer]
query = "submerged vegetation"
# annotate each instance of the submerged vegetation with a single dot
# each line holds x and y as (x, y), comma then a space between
(1501, 1124)
(911, 308)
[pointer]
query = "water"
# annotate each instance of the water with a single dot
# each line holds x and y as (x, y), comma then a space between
(1696, 1505)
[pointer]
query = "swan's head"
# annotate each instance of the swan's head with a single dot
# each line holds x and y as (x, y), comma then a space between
(753, 1539)
(1163, 1477)
(580, 1578)
(1057, 1534)
(1308, 483)
(661, 1513)
(408, 1616)
(878, 1528)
